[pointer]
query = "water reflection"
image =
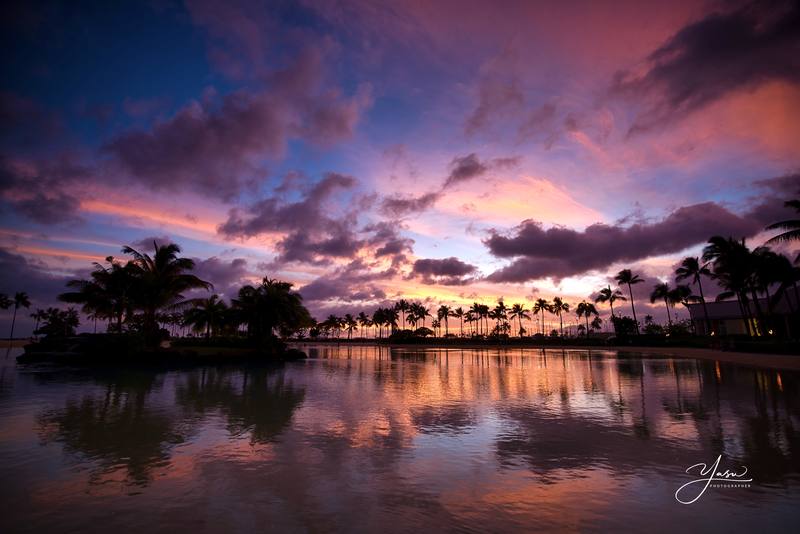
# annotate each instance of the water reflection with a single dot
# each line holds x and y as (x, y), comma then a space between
(367, 438)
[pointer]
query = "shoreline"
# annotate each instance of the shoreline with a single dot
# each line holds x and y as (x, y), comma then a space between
(783, 362)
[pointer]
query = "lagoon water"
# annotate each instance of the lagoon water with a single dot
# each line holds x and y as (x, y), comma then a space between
(364, 439)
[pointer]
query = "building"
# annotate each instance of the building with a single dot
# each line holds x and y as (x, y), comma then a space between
(725, 317)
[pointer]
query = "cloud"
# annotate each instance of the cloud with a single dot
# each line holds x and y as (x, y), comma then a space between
(719, 54)
(274, 214)
(314, 233)
(217, 146)
(226, 276)
(397, 205)
(355, 282)
(560, 252)
(465, 168)
(42, 190)
(447, 271)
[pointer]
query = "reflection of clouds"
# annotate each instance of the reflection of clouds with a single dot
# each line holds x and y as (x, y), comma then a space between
(365, 437)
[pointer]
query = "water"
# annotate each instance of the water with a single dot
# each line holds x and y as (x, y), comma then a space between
(364, 439)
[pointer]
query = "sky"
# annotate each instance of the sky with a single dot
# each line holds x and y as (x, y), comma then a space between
(365, 151)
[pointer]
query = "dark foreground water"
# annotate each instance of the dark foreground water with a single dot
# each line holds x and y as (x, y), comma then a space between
(367, 439)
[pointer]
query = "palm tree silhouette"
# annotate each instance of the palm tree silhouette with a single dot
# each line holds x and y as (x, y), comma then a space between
(732, 269)
(559, 307)
(609, 295)
(350, 324)
(364, 321)
(539, 308)
(519, 313)
(625, 276)
(5, 302)
(792, 227)
(585, 309)
(21, 300)
(459, 314)
(161, 281)
(206, 315)
(402, 306)
(662, 291)
(443, 313)
(693, 269)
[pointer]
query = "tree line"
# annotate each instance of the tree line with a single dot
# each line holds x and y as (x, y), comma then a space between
(145, 295)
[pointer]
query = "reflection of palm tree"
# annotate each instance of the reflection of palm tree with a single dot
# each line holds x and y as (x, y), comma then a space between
(625, 276)
(692, 268)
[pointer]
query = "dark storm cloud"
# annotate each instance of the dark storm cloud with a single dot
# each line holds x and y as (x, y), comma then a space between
(447, 271)
(216, 146)
(560, 252)
(714, 56)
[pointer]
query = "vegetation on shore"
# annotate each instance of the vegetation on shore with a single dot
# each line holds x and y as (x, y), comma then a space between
(142, 300)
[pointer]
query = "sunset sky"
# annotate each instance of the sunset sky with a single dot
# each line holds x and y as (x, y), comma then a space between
(367, 151)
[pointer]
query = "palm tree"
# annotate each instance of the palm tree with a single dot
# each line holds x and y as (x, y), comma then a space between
(364, 321)
(161, 281)
(585, 309)
(732, 269)
(540, 307)
(459, 314)
(692, 268)
(402, 306)
(206, 315)
(350, 324)
(5, 302)
(38, 316)
(443, 313)
(625, 276)
(21, 300)
(662, 291)
(271, 306)
(792, 227)
(609, 295)
(477, 312)
(519, 313)
(559, 307)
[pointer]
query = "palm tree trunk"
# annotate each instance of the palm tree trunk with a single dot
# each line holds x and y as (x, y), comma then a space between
(705, 308)
(669, 317)
(462, 325)
(13, 322)
(587, 325)
(745, 318)
(611, 303)
(561, 324)
(633, 308)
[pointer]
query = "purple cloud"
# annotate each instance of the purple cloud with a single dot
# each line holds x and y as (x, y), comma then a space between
(447, 271)
(560, 252)
(719, 54)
